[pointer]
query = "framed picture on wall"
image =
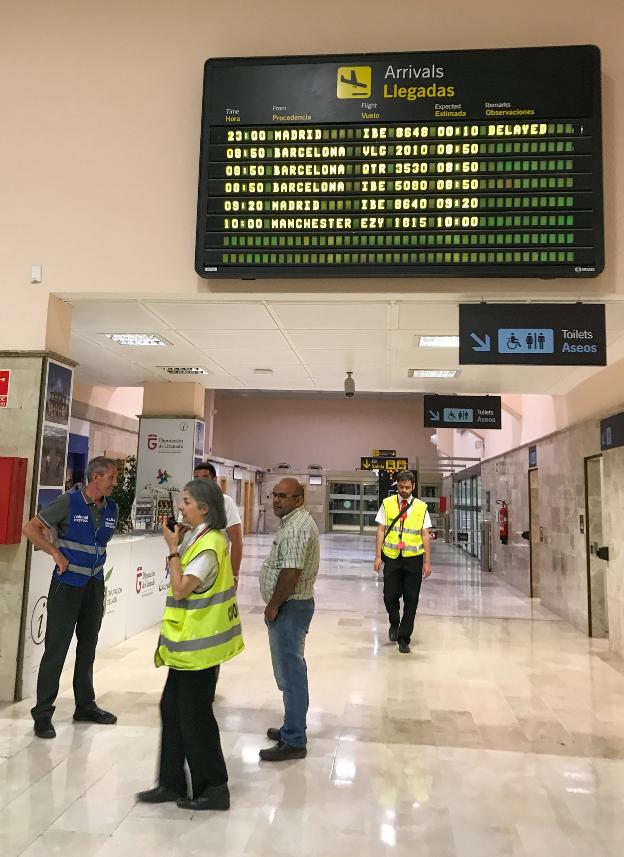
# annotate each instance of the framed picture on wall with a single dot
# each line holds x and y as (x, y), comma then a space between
(53, 456)
(58, 393)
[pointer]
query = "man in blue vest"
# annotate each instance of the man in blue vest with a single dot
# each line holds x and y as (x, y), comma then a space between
(85, 521)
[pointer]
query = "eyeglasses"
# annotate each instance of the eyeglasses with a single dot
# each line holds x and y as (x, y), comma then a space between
(281, 496)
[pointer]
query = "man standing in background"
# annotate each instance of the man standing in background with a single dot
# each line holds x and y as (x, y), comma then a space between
(233, 526)
(287, 581)
(85, 520)
(402, 544)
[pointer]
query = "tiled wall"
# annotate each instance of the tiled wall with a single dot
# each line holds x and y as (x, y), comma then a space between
(561, 467)
(18, 433)
(613, 523)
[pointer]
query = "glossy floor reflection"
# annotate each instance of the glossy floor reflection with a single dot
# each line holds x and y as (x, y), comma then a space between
(501, 734)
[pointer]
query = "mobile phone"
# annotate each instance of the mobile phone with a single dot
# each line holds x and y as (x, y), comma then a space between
(171, 520)
(171, 523)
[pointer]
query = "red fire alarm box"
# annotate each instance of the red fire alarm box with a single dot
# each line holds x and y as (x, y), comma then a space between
(12, 487)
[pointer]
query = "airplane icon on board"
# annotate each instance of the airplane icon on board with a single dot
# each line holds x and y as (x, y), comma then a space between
(353, 81)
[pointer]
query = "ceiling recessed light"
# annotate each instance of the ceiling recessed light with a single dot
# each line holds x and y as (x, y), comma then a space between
(185, 370)
(263, 371)
(437, 341)
(137, 339)
(432, 373)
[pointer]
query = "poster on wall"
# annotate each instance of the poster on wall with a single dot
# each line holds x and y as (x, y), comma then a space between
(166, 456)
(53, 456)
(58, 393)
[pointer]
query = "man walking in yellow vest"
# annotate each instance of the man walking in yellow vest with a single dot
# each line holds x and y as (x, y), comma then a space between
(402, 544)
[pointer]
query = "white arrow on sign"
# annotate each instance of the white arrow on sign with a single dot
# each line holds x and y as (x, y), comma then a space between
(434, 416)
(482, 344)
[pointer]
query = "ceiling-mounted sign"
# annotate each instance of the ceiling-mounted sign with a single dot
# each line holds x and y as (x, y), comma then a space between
(373, 462)
(466, 412)
(533, 334)
(445, 163)
(384, 453)
(612, 431)
(5, 379)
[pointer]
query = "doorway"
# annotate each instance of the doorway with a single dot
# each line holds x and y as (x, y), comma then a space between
(597, 613)
(353, 506)
(248, 507)
(536, 537)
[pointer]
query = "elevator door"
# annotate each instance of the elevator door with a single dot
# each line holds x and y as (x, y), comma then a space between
(353, 506)
(598, 619)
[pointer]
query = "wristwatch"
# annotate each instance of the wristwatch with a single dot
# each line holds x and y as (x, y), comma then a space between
(171, 556)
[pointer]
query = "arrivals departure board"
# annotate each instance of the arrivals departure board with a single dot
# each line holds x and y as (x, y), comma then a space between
(458, 163)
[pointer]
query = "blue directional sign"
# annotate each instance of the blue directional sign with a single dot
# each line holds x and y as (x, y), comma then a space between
(462, 411)
(533, 334)
(526, 340)
(458, 415)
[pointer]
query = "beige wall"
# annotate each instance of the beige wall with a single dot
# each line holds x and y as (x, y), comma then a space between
(101, 111)
(18, 433)
(332, 432)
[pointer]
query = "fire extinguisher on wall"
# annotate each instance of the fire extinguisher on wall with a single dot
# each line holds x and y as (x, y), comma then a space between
(503, 522)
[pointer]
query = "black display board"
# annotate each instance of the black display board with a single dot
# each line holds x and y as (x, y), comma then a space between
(612, 432)
(533, 334)
(445, 163)
(483, 412)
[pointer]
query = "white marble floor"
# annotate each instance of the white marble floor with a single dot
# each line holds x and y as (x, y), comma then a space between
(500, 734)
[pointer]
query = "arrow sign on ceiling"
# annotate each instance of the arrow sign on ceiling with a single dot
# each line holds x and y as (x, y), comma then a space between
(482, 344)
(434, 416)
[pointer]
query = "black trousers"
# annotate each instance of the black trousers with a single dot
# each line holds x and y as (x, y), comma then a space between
(70, 608)
(402, 579)
(190, 732)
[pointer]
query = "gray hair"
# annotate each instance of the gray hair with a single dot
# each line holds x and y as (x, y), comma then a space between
(99, 465)
(207, 493)
(405, 476)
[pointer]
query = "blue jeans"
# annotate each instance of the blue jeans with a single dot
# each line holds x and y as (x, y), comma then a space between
(287, 641)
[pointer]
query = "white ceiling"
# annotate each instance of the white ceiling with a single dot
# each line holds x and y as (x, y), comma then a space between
(308, 343)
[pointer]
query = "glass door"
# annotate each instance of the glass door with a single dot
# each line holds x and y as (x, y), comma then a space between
(353, 506)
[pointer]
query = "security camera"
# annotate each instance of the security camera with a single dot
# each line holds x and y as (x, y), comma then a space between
(349, 386)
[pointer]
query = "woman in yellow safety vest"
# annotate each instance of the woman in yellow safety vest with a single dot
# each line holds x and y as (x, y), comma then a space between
(200, 629)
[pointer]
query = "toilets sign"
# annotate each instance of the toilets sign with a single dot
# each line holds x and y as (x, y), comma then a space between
(462, 412)
(532, 334)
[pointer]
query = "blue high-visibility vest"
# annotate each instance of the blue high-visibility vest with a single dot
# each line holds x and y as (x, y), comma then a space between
(83, 544)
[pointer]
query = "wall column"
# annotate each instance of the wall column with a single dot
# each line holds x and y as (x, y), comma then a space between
(38, 406)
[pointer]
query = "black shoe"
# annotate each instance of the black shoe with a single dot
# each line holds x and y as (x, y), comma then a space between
(159, 794)
(282, 753)
(404, 647)
(214, 797)
(274, 734)
(44, 729)
(94, 715)
(393, 633)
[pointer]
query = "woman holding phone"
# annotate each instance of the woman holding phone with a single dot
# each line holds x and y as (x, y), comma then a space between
(200, 630)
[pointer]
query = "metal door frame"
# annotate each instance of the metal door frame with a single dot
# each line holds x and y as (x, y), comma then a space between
(589, 604)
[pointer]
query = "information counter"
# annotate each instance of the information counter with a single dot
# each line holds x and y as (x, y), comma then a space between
(136, 582)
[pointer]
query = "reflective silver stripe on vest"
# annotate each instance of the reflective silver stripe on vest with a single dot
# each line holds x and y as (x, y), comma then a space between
(88, 572)
(199, 603)
(395, 546)
(76, 546)
(406, 530)
(201, 642)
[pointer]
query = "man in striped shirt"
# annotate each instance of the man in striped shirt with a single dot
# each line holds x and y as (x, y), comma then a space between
(287, 587)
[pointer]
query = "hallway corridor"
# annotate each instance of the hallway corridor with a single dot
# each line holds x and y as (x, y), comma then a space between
(502, 733)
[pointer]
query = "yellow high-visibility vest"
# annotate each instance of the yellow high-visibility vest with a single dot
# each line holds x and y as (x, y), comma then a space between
(203, 629)
(411, 532)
